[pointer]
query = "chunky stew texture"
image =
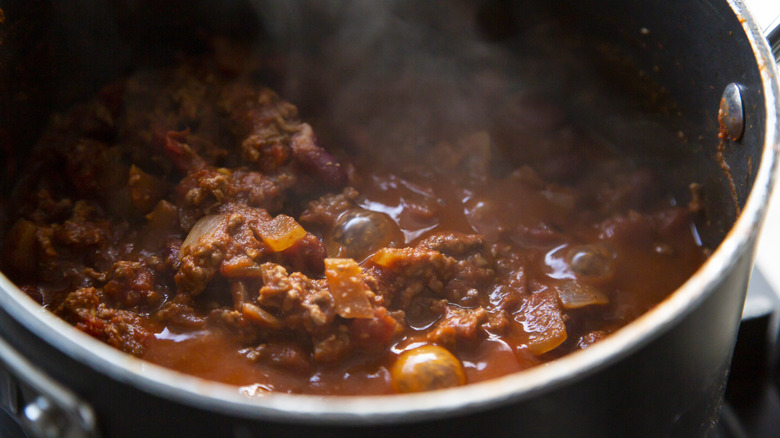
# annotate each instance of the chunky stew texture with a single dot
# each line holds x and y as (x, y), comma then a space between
(194, 219)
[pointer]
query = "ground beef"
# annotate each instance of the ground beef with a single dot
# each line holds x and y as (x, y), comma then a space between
(302, 302)
(406, 273)
(323, 213)
(458, 324)
(304, 308)
(133, 285)
(89, 310)
(221, 241)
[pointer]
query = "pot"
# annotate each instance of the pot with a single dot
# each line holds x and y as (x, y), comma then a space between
(662, 375)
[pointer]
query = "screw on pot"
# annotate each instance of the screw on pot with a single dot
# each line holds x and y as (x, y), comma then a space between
(731, 115)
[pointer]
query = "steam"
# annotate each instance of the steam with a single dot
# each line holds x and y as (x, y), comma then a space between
(398, 77)
(401, 75)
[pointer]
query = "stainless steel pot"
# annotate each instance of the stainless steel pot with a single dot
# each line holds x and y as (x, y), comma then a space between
(662, 375)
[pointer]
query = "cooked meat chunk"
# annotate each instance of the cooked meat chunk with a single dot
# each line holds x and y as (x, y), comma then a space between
(458, 325)
(324, 212)
(88, 310)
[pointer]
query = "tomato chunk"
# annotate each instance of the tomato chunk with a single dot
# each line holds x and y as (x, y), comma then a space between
(350, 293)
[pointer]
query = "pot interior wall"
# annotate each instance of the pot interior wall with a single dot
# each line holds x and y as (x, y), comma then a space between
(693, 50)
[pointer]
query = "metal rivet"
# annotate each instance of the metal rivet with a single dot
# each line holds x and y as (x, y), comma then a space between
(731, 116)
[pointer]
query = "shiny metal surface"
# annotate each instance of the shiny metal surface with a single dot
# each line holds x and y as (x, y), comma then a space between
(731, 115)
(41, 406)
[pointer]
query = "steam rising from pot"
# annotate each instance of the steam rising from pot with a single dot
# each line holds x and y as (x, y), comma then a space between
(400, 77)
(404, 75)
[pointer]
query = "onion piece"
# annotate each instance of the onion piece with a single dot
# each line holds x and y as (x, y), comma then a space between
(394, 258)
(541, 321)
(350, 293)
(281, 232)
(241, 266)
(260, 316)
(206, 227)
(575, 295)
(386, 257)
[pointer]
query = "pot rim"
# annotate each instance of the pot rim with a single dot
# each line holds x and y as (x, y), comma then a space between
(311, 409)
